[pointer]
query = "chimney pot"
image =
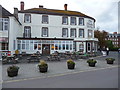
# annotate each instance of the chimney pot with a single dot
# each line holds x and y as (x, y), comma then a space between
(40, 6)
(22, 5)
(65, 7)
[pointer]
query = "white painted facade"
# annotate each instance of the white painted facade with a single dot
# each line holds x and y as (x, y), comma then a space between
(55, 29)
(55, 40)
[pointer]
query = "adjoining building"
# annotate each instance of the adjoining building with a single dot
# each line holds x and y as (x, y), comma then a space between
(115, 38)
(9, 26)
(50, 30)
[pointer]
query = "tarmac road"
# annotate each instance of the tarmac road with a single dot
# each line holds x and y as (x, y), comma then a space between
(99, 78)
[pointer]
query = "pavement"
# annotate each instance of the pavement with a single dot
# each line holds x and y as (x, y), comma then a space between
(30, 71)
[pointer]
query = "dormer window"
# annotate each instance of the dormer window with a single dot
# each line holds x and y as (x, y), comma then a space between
(81, 21)
(27, 18)
(45, 19)
(73, 21)
(65, 20)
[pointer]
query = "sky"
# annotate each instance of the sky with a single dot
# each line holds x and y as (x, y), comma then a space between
(104, 11)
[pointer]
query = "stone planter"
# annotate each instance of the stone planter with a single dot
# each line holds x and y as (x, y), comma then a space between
(43, 69)
(12, 73)
(71, 66)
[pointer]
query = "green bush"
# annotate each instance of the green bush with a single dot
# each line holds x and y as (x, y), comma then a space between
(12, 68)
(110, 59)
(70, 61)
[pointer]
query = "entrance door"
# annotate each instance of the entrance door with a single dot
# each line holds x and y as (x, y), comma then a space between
(88, 47)
(46, 49)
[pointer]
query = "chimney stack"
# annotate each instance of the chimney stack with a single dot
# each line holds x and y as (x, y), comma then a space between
(65, 7)
(22, 6)
(40, 6)
(16, 12)
(114, 32)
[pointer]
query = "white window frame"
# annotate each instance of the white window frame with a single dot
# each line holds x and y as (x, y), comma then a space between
(64, 32)
(45, 19)
(73, 20)
(73, 29)
(81, 21)
(27, 18)
(65, 20)
(44, 31)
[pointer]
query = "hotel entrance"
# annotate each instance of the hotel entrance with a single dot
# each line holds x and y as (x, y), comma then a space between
(45, 49)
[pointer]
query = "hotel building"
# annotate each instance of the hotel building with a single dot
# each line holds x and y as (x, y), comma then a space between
(50, 30)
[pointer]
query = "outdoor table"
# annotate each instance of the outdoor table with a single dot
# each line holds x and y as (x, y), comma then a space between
(33, 58)
(54, 57)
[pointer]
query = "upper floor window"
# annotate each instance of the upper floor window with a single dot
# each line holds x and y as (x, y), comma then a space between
(73, 21)
(90, 33)
(27, 18)
(64, 20)
(90, 24)
(65, 32)
(44, 32)
(27, 31)
(81, 21)
(73, 32)
(81, 33)
(4, 24)
(45, 19)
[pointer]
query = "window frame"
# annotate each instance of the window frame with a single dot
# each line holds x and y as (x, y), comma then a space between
(75, 21)
(90, 36)
(42, 34)
(82, 21)
(25, 15)
(66, 31)
(82, 33)
(43, 19)
(73, 29)
(66, 20)
(28, 34)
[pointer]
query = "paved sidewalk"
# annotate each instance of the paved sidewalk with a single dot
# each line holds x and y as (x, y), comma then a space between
(30, 70)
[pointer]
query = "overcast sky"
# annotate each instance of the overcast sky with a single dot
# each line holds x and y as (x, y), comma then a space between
(104, 11)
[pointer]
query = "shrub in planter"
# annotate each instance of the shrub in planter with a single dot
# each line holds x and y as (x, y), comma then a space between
(70, 64)
(110, 60)
(91, 62)
(12, 71)
(43, 66)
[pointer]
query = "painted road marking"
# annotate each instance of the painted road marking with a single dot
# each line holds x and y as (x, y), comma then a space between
(55, 75)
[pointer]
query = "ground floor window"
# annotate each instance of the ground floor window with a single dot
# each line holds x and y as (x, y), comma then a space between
(81, 47)
(37, 44)
(4, 46)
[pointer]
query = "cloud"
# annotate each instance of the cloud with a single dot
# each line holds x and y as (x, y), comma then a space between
(104, 11)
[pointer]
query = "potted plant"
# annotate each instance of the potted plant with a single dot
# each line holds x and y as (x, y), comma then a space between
(43, 66)
(110, 60)
(70, 64)
(12, 71)
(91, 62)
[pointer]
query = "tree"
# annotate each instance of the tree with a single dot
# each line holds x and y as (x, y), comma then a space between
(101, 35)
(109, 44)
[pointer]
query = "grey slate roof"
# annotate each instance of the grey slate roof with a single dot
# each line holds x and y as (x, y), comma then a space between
(55, 12)
(5, 13)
